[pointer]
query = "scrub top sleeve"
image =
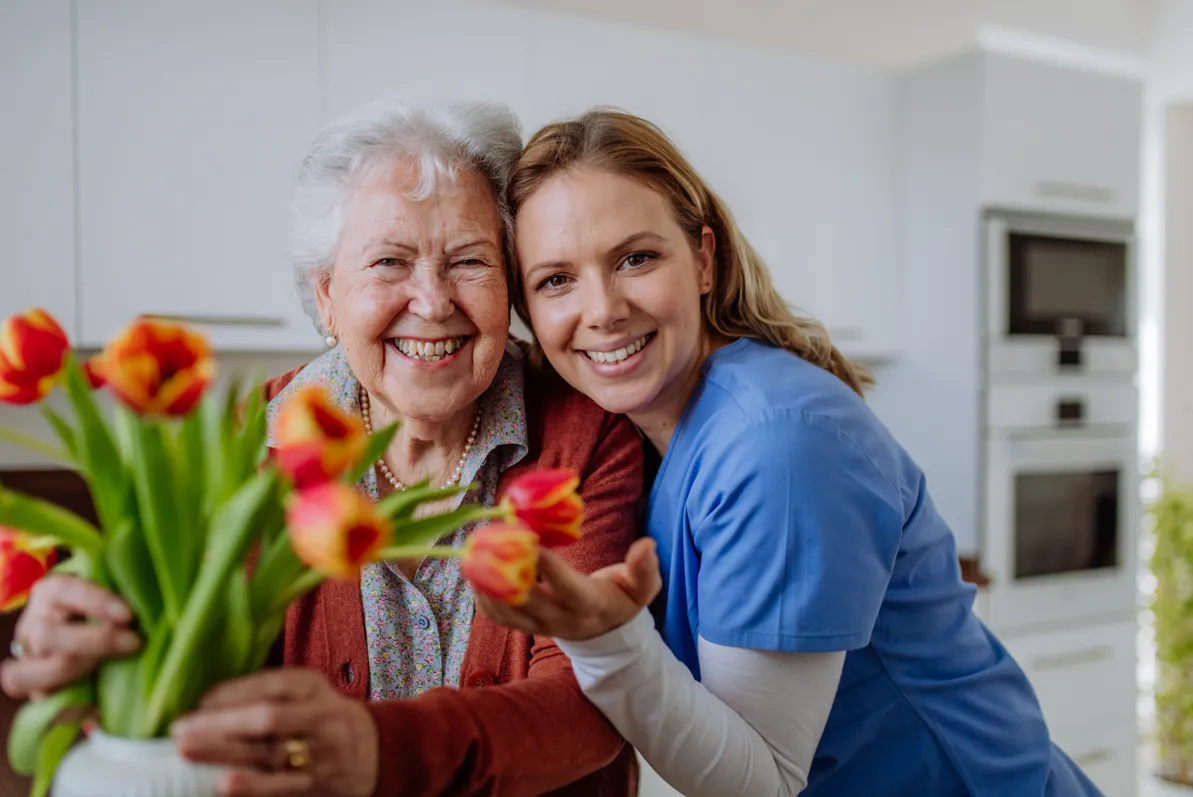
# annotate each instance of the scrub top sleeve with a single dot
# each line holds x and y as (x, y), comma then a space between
(796, 536)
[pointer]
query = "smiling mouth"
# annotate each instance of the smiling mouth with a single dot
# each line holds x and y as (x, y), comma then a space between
(429, 351)
(619, 355)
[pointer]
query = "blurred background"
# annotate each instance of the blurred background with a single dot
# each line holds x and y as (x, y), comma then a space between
(988, 203)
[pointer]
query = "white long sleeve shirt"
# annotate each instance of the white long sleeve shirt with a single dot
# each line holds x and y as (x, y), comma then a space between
(748, 728)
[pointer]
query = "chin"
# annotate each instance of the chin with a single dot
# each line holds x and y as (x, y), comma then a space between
(619, 400)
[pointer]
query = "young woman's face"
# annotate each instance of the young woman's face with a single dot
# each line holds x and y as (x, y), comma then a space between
(613, 288)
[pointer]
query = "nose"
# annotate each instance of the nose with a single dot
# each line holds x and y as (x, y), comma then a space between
(605, 306)
(432, 296)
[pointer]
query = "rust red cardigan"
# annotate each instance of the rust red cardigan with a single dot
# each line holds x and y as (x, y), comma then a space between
(519, 724)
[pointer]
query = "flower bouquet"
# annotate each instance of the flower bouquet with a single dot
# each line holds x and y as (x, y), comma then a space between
(208, 533)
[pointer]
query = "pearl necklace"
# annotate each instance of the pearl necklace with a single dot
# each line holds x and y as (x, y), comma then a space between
(366, 412)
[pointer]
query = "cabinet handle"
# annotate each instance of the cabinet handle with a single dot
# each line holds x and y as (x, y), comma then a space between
(1093, 757)
(270, 321)
(1083, 193)
(1076, 657)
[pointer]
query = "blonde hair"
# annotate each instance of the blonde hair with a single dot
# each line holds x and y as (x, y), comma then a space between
(743, 302)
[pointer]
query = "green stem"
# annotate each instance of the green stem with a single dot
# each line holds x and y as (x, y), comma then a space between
(32, 443)
(417, 552)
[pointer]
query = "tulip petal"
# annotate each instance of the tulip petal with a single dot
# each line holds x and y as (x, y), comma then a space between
(501, 560)
(315, 441)
(158, 368)
(34, 342)
(335, 530)
(24, 560)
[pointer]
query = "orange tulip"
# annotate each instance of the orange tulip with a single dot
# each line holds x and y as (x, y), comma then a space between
(158, 368)
(501, 560)
(33, 349)
(335, 530)
(93, 371)
(546, 502)
(315, 442)
(22, 564)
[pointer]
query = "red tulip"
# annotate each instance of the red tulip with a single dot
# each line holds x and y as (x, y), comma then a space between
(501, 560)
(314, 441)
(335, 530)
(158, 368)
(33, 349)
(22, 564)
(94, 373)
(546, 502)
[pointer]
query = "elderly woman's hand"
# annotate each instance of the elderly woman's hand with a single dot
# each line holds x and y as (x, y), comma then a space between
(569, 604)
(66, 629)
(289, 732)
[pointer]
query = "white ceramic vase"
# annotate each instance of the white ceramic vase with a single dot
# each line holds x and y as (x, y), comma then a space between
(109, 766)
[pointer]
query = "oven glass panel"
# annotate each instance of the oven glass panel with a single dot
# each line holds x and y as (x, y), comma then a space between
(1065, 522)
(1056, 281)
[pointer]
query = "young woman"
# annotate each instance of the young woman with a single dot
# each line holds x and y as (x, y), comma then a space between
(816, 636)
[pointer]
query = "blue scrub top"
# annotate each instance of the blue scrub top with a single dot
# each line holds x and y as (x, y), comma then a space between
(788, 518)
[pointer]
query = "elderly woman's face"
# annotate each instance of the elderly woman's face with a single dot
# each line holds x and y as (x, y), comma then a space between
(417, 294)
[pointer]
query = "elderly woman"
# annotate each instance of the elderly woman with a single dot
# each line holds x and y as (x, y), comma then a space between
(402, 236)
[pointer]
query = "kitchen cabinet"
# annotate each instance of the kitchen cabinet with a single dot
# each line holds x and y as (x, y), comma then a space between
(424, 53)
(192, 119)
(802, 152)
(37, 159)
(1060, 139)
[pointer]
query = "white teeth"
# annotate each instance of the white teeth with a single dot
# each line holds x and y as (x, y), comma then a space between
(618, 355)
(429, 351)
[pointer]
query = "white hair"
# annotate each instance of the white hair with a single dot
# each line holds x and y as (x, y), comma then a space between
(485, 138)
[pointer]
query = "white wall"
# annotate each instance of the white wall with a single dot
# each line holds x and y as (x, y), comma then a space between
(1176, 379)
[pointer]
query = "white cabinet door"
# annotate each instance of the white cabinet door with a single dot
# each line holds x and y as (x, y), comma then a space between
(802, 152)
(192, 120)
(1061, 140)
(37, 215)
(424, 52)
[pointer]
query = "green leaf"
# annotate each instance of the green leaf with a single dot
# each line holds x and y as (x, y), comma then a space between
(375, 446)
(63, 429)
(150, 466)
(236, 640)
(429, 529)
(35, 444)
(132, 571)
(402, 505)
(98, 456)
(116, 686)
(55, 747)
(41, 518)
(189, 470)
(215, 474)
(277, 567)
(234, 527)
(34, 720)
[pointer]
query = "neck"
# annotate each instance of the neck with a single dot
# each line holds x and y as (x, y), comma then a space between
(421, 448)
(658, 421)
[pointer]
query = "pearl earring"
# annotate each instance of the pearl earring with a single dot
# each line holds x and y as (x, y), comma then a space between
(331, 341)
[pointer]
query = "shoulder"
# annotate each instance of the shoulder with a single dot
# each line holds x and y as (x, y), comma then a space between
(774, 412)
(277, 384)
(562, 420)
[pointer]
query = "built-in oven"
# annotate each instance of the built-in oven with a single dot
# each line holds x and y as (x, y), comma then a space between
(1060, 500)
(1061, 295)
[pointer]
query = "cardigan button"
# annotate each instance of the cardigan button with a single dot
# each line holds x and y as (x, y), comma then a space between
(347, 673)
(481, 678)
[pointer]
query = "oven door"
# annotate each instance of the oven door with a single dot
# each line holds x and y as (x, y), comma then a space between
(1061, 296)
(1059, 538)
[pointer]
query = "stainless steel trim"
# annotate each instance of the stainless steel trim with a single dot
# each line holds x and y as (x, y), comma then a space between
(272, 322)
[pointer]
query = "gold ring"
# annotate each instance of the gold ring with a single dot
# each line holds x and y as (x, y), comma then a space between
(298, 753)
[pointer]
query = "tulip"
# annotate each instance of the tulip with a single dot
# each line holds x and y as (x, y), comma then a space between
(501, 560)
(93, 372)
(335, 529)
(33, 349)
(314, 441)
(158, 368)
(23, 562)
(546, 502)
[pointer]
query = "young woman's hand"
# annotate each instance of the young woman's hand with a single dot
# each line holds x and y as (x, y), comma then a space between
(569, 604)
(67, 628)
(288, 732)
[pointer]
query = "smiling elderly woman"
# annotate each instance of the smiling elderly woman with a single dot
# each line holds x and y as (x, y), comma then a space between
(402, 237)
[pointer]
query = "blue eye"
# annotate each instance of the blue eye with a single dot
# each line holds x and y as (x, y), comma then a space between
(388, 262)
